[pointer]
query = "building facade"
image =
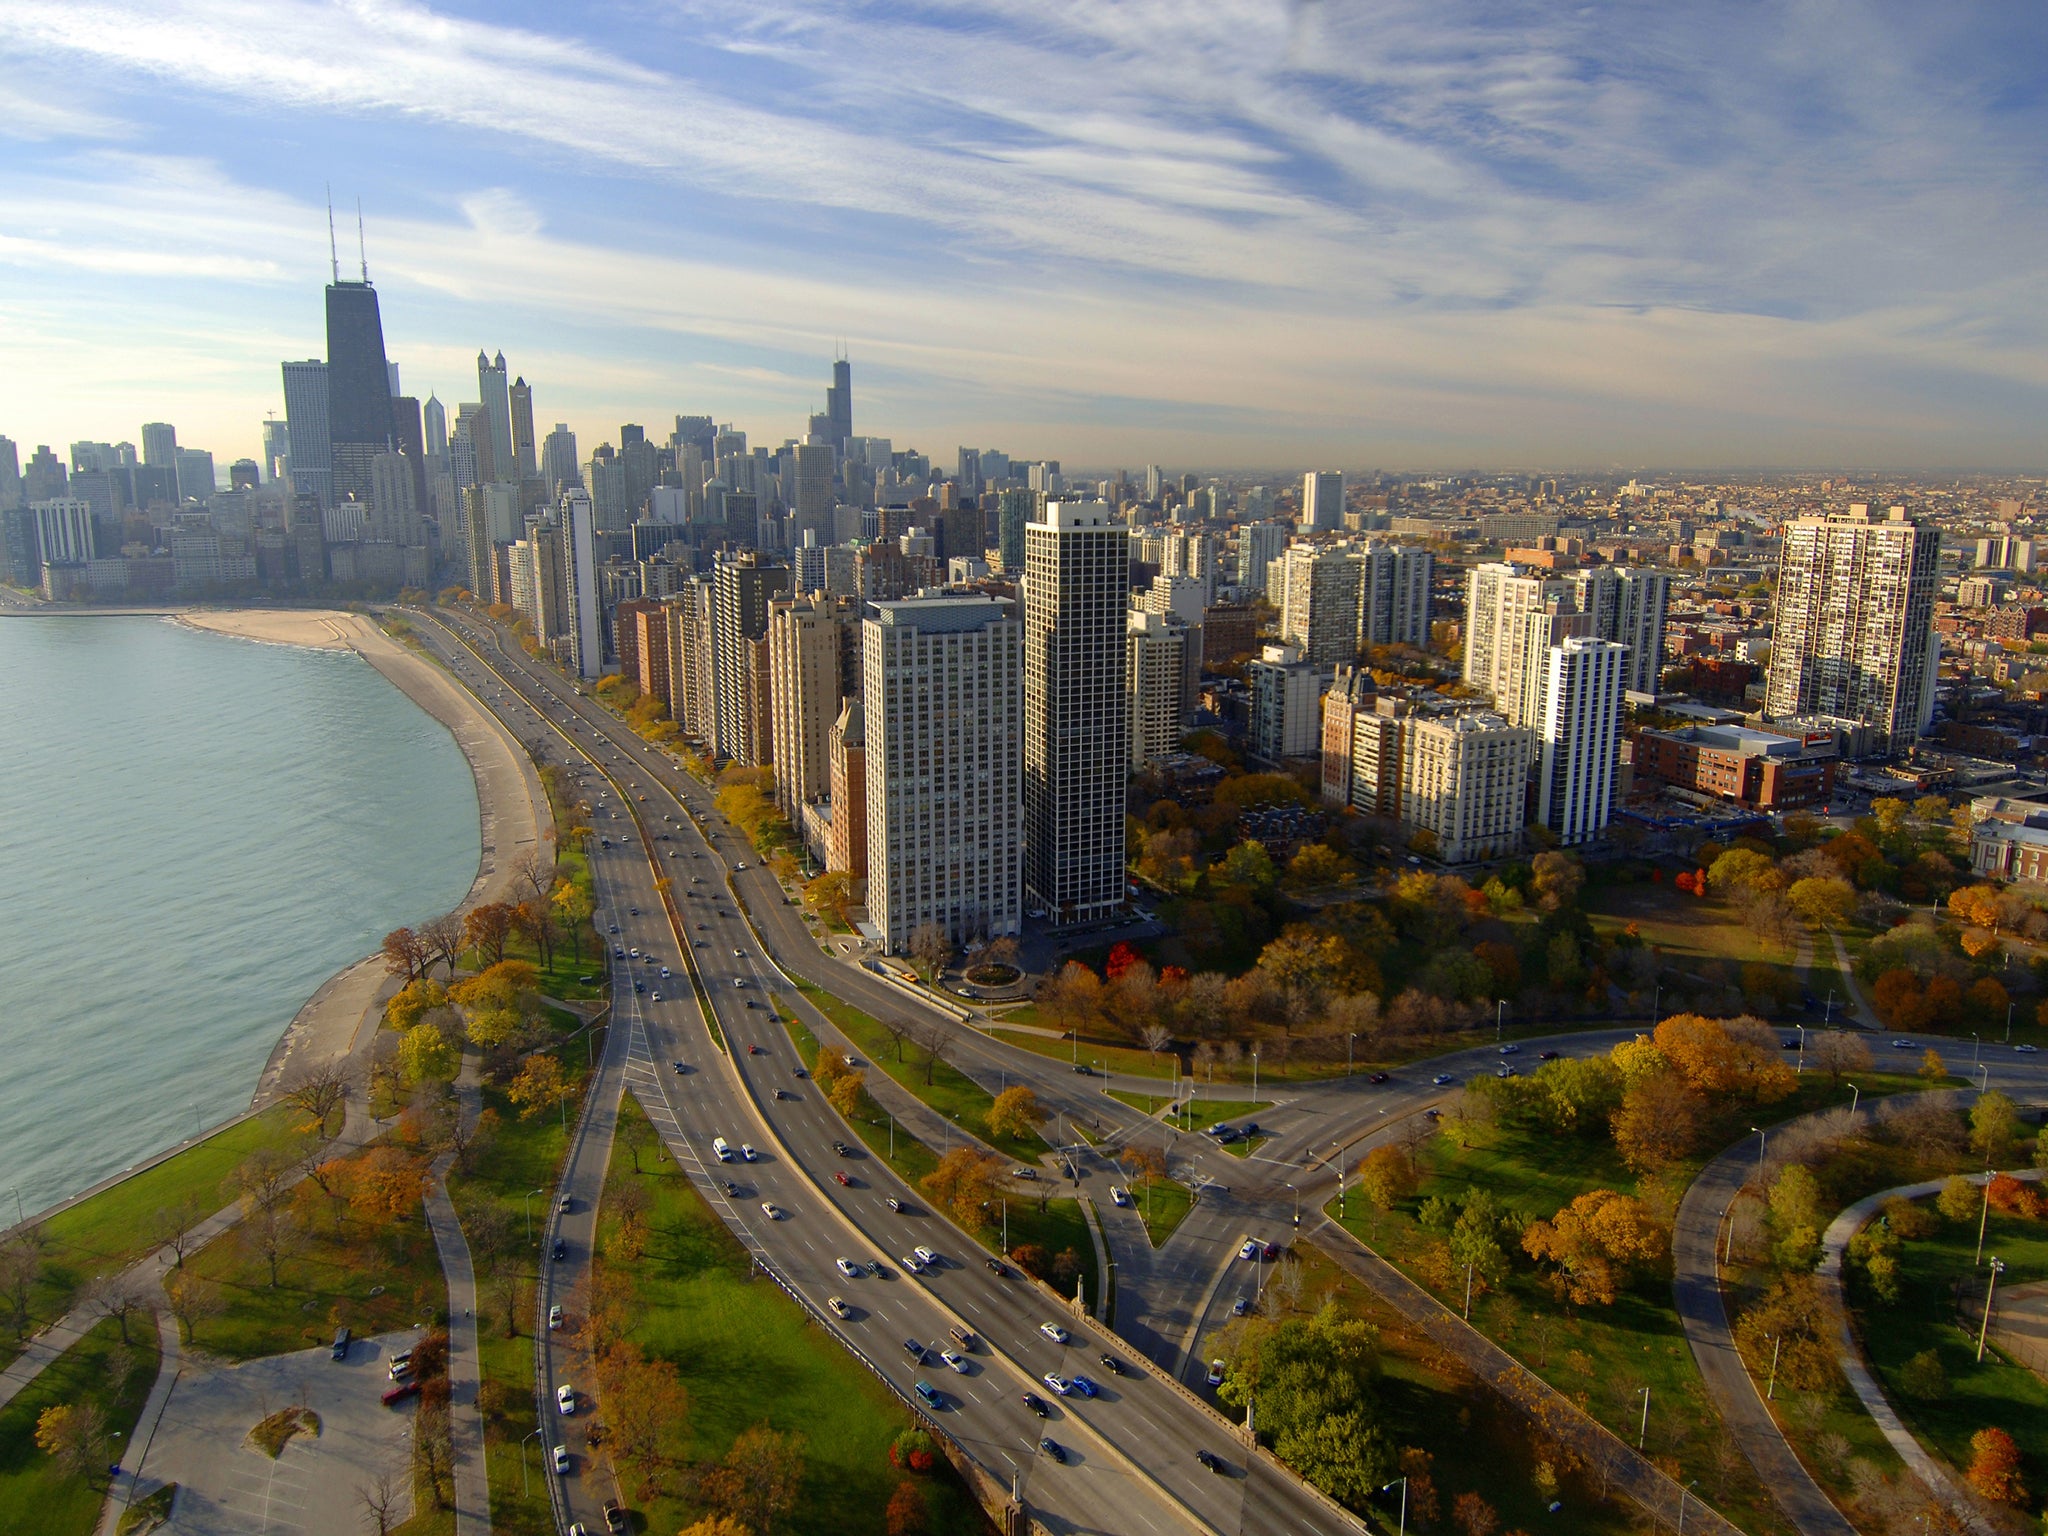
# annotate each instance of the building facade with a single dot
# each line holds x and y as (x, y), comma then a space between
(1757, 770)
(805, 698)
(1154, 677)
(1577, 722)
(1464, 780)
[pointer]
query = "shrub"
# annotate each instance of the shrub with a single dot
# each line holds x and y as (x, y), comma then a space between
(1923, 1377)
(912, 1451)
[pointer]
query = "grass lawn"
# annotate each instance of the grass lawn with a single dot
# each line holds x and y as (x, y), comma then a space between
(748, 1355)
(1996, 1392)
(1693, 931)
(1120, 1061)
(1163, 1204)
(1245, 1146)
(36, 1499)
(112, 1229)
(1198, 1115)
(951, 1092)
(1057, 1228)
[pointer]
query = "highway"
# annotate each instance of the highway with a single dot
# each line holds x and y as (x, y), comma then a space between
(1131, 1462)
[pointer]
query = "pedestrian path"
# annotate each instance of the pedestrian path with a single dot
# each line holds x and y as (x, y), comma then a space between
(465, 1418)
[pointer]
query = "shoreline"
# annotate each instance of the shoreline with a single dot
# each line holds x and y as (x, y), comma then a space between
(512, 810)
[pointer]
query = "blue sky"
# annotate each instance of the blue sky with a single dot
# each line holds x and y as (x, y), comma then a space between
(1425, 235)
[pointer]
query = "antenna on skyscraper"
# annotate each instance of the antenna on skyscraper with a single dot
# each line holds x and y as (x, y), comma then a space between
(333, 255)
(361, 249)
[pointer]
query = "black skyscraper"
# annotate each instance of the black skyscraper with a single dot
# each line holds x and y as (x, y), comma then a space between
(359, 420)
(839, 403)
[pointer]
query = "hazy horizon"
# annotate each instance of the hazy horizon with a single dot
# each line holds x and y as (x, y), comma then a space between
(1441, 237)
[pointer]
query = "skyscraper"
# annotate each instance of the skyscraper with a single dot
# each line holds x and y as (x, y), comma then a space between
(196, 478)
(410, 440)
(558, 466)
(941, 713)
(434, 423)
(1152, 674)
(742, 588)
(1498, 601)
(804, 645)
(1076, 718)
(1319, 611)
(579, 576)
(811, 498)
(1628, 604)
(277, 450)
(10, 475)
(311, 466)
(1854, 627)
(838, 404)
(1014, 508)
(521, 403)
(160, 450)
(1577, 719)
(496, 398)
(359, 424)
(1258, 545)
(1393, 604)
(1322, 500)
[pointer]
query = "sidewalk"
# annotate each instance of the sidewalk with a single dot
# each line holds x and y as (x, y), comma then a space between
(465, 1419)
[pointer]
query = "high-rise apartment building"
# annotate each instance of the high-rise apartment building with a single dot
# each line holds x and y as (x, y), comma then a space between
(558, 466)
(1258, 546)
(1853, 633)
(359, 424)
(63, 531)
(1014, 508)
(311, 466)
(805, 693)
(495, 393)
(846, 841)
(811, 502)
(941, 714)
(1285, 719)
(1463, 781)
(1076, 721)
(742, 588)
(520, 394)
(1322, 500)
(1499, 599)
(1319, 611)
(692, 640)
(1352, 693)
(1577, 724)
(1393, 605)
(579, 575)
(1153, 677)
(1627, 604)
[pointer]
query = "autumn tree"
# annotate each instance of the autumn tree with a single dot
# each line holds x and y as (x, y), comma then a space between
(413, 1002)
(758, 1481)
(316, 1092)
(1016, 1112)
(905, 1514)
(845, 1090)
(1072, 996)
(1823, 900)
(386, 1184)
(1994, 1467)
(192, 1299)
(1932, 1068)
(404, 954)
(967, 1182)
(1474, 1516)
(487, 928)
(1659, 1121)
(1741, 1058)
(1386, 1177)
(1836, 1052)
(1556, 879)
(74, 1435)
(1594, 1245)
(534, 921)
(638, 1135)
(540, 1086)
(1994, 1127)
(646, 1408)
(425, 1056)
(572, 907)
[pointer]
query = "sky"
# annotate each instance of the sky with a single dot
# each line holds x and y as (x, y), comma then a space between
(1418, 234)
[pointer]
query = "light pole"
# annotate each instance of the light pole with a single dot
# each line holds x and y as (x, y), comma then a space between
(528, 1202)
(1997, 1269)
(1984, 1078)
(526, 1488)
(1255, 1074)
(1468, 1291)
(1644, 1433)
(1762, 1139)
(1500, 1008)
(1681, 1505)
(1977, 1050)
(1828, 1018)
(1771, 1387)
(1802, 1048)
(1855, 1098)
(1297, 1205)
(2008, 1023)
(1983, 1217)
(1389, 1488)
(1656, 999)
(1348, 1038)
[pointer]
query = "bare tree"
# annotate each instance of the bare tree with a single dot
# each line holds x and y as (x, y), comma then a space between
(1836, 1051)
(318, 1091)
(110, 1298)
(1157, 1038)
(276, 1236)
(380, 1502)
(537, 873)
(443, 938)
(897, 1029)
(193, 1299)
(433, 1456)
(265, 1178)
(638, 1134)
(931, 949)
(932, 1037)
(21, 1265)
(175, 1228)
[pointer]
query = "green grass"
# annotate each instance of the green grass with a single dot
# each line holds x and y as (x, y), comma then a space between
(1059, 1227)
(1163, 1205)
(36, 1498)
(108, 1232)
(1998, 1391)
(1199, 1115)
(151, 1510)
(951, 1092)
(748, 1355)
(1245, 1146)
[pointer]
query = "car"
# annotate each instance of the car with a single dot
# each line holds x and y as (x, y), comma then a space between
(754, 1050)
(1380, 1077)
(1432, 1113)
(954, 1360)
(747, 1152)
(913, 1263)
(739, 869)
(614, 1513)
(1509, 1048)
(929, 1256)
(964, 1337)
(847, 1268)
(842, 1149)
(1249, 1128)
(797, 1072)
(878, 1269)
(1059, 1384)
(928, 1394)
(1546, 1055)
(915, 1349)
(1249, 1249)
(1082, 1069)
(739, 954)
(1083, 1385)
(401, 1363)
(618, 952)
(614, 928)
(634, 951)
(1037, 1405)
(1504, 1070)
(1442, 1078)
(1241, 1307)
(565, 1204)
(632, 911)
(1902, 1045)
(640, 986)
(839, 1177)
(893, 1203)
(1119, 1195)
(1210, 1460)
(400, 1392)
(771, 1210)
(838, 1306)
(700, 927)
(560, 1250)
(1054, 1449)
(678, 1068)
(555, 1318)
(1215, 1373)
(997, 1268)
(732, 1190)
(1269, 1252)
(2027, 1050)
(1023, 1173)
(561, 1458)
(565, 1399)
(664, 973)
(739, 981)
(784, 1093)
(1054, 1332)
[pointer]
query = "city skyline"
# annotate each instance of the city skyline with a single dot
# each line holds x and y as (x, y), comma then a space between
(1274, 236)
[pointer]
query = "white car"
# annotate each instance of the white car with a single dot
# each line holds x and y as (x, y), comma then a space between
(1215, 1373)
(1119, 1194)
(771, 1210)
(930, 1257)
(1059, 1384)
(562, 1458)
(555, 1318)
(565, 1399)
(839, 1307)
(913, 1263)
(1054, 1332)
(954, 1359)
(564, 1204)
(747, 1151)
(848, 1268)
(1250, 1249)
(2027, 1050)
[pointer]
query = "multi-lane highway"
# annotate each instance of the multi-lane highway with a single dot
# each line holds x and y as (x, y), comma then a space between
(1130, 1453)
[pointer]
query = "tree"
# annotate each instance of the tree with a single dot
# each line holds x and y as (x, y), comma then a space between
(931, 949)
(967, 1182)
(1827, 901)
(425, 1056)
(1658, 1122)
(75, 1436)
(1072, 996)
(534, 921)
(932, 1037)
(1836, 1052)
(1995, 1467)
(404, 954)
(717, 1525)
(1994, 1127)
(1891, 814)
(1976, 905)
(1740, 1058)
(1474, 1516)
(1316, 864)
(381, 1503)
(539, 1087)
(846, 1090)
(275, 1235)
(173, 1227)
(764, 1473)
(1249, 865)
(638, 1134)
(316, 1092)
(1556, 878)
(1016, 1112)
(443, 938)
(1314, 1380)
(265, 1177)
(1386, 1177)
(110, 1298)
(572, 906)
(1594, 1243)
(486, 928)
(1932, 1068)
(1743, 869)
(645, 1407)
(905, 1514)
(386, 1184)
(192, 1299)
(1157, 1038)
(1923, 1377)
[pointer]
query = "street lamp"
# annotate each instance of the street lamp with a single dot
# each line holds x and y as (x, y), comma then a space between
(1348, 1038)
(2008, 1023)
(1500, 1008)
(1802, 1048)
(526, 1488)
(1644, 1433)
(529, 1211)
(1255, 1074)
(1828, 1018)
(1297, 1204)
(1997, 1269)
(1389, 1488)
(1855, 1098)
(1762, 1138)
(1771, 1386)
(1681, 1505)
(1983, 1216)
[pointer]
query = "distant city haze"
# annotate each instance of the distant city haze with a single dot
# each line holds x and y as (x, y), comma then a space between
(1410, 236)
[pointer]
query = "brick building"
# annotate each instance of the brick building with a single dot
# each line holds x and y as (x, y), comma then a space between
(1755, 769)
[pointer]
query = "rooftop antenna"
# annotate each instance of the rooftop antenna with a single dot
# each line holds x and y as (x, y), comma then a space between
(362, 250)
(333, 255)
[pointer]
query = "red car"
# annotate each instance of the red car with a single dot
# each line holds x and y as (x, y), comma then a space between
(842, 1178)
(400, 1393)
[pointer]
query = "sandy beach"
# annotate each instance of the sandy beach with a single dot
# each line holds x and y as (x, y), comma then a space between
(340, 1018)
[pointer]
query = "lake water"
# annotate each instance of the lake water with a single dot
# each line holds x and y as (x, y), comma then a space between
(195, 832)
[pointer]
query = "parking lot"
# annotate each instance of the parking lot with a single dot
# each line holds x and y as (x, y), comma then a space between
(227, 1487)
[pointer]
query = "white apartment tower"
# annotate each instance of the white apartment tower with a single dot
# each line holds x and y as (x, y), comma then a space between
(1854, 628)
(1576, 723)
(1258, 546)
(1627, 604)
(1286, 693)
(1393, 601)
(1319, 602)
(1322, 500)
(579, 576)
(1463, 780)
(1076, 715)
(943, 716)
(804, 699)
(1499, 599)
(1153, 673)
